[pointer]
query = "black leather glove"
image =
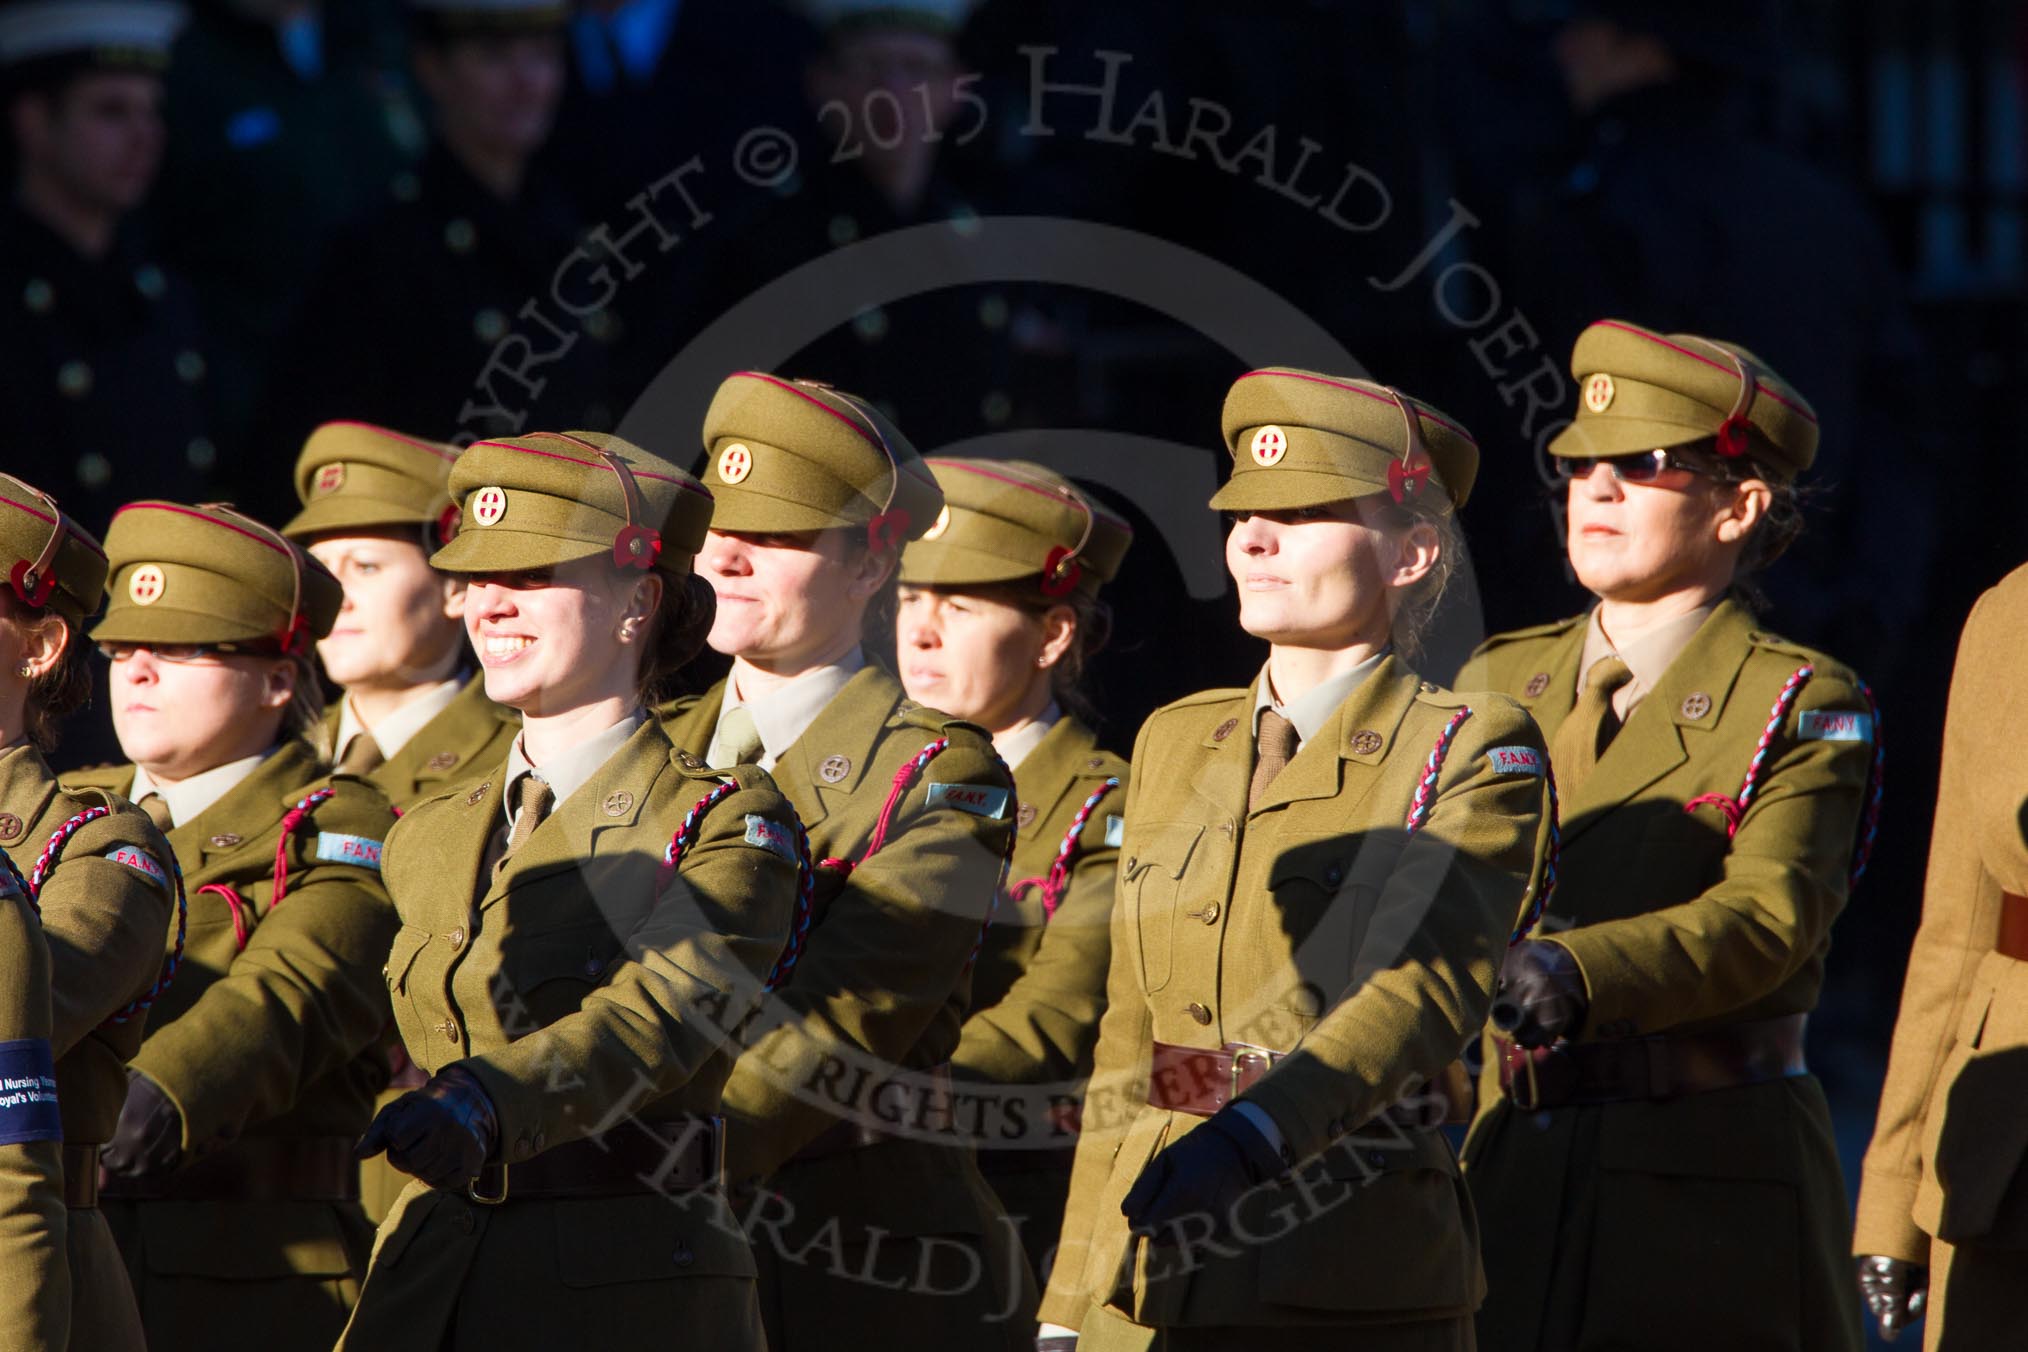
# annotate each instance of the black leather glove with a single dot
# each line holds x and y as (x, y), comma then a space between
(1894, 1291)
(441, 1133)
(148, 1141)
(1205, 1173)
(1541, 994)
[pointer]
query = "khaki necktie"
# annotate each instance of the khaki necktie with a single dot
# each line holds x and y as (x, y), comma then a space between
(362, 757)
(1584, 736)
(1276, 747)
(532, 801)
(157, 808)
(738, 737)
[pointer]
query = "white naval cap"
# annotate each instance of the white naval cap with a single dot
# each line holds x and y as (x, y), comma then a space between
(115, 32)
(934, 16)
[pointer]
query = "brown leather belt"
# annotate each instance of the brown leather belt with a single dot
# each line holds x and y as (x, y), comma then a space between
(1570, 1074)
(679, 1155)
(2013, 940)
(858, 1131)
(80, 1176)
(1201, 1081)
(256, 1169)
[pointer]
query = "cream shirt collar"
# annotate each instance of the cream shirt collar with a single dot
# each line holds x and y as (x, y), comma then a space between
(1311, 712)
(190, 797)
(786, 713)
(1647, 657)
(397, 729)
(569, 772)
(1017, 744)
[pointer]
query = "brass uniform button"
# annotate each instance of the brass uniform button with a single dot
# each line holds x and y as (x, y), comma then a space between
(1025, 818)
(472, 798)
(456, 938)
(443, 760)
(834, 769)
(1224, 730)
(1198, 1012)
(1537, 683)
(618, 803)
(449, 1028)
(1696, 705)
(1210, 913)
(1365, 742)
(224, 840)
(11, 827)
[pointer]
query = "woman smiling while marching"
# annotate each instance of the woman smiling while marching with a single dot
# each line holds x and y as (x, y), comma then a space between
(582, 928)
(1652, 1159)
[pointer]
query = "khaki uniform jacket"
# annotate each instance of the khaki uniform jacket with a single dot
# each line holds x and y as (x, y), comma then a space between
(35, 1297)
(1040, 984)
(103, 920)
(278, 1039)
(1315, 927)
(1612, 1225)
(470, 737)
(884, 982)
(1943, 1179)
(580, 993)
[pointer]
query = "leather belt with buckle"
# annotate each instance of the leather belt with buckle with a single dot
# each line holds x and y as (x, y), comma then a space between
(1571, 1074)
(1202, 1080)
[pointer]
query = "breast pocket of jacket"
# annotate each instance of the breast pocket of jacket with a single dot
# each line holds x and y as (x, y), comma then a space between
(1152, 877)
(547, 975)
(1323, 913)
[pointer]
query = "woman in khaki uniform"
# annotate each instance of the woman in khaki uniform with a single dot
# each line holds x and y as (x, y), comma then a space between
(1652, 1161)
(872, 1225)
(1943, 1200)
(997, 612)
(414, 717)
(583, 929)
(1319, 876)
(229, 1181)
(100, 872)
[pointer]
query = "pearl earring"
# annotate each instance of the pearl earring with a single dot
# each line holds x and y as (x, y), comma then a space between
(25, 670)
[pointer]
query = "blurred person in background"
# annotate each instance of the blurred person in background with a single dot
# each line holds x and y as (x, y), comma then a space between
(108, 376)
(410, 306)
(289, 121)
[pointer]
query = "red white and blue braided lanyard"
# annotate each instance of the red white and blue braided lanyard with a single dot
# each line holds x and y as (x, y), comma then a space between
(1057, 881)
(1733, 807)
(806, 877)
(904, 779)
(1425, 798)
(31, 886)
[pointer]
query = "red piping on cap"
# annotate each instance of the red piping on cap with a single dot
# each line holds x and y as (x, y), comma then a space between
(1773, 394)
(1354, 389)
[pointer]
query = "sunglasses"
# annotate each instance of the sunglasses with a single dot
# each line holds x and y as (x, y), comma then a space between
(1642, 467)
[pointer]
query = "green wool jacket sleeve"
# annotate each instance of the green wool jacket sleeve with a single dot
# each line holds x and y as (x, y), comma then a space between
(35, 1297)
(689, 971)
(302, 999)
(1423, 976)
(1783, 882)
(1044, 1029)
(888, 955)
